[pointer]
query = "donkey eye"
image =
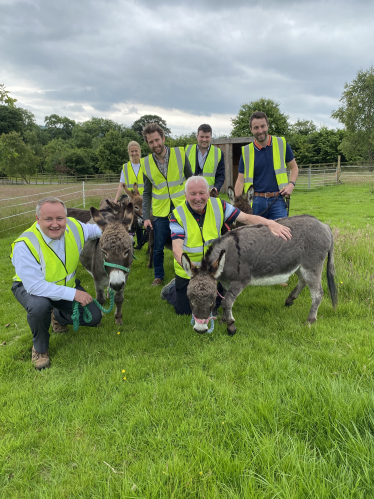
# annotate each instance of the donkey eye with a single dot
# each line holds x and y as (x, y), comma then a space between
(126, 253)
(137, 208)
(104, 253)
(191, 303)
(212, 304)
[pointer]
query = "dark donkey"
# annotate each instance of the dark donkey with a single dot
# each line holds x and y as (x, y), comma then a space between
(109, 258)
(258, 258)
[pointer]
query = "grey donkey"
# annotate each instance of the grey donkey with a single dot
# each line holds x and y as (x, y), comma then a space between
(114, 247)
(258, 258)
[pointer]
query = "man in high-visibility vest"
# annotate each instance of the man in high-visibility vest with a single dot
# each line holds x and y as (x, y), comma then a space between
(207, 160)
(194, 224)
(46, 258)
(165, 172)
(263, 163)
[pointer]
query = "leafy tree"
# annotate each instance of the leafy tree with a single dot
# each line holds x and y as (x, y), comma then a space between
(357, 115)
(55, 153)
(4, 96)
(59, 126)
(278, 122)
(181, 140)
(112, 152)
(25, 163)
(139, 124)
(11, 120)
(79, 162)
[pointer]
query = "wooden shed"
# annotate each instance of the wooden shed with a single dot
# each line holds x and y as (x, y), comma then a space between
(232, 149)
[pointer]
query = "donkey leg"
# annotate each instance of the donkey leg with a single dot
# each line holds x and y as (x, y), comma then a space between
(313, 280)
(100, 291)
(118, 300)
(231, 295)
(297, 290)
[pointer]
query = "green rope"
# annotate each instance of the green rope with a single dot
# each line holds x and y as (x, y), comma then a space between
(87, 316)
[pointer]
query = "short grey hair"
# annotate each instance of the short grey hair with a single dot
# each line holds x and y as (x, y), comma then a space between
(195, 178)
(49, 199)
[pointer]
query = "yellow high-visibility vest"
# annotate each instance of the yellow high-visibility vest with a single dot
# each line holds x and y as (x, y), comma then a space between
(131, 178)
(169, 190)
(279, 161)
(211, 162)
(197, 239)
(53, 268)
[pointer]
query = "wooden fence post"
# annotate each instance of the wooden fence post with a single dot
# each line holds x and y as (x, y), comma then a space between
(309, 176)
(338, 171)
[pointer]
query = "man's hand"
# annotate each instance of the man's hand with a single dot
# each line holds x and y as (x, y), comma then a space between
(287, 191)
(82, 297)
(279, 230)
(147, 223)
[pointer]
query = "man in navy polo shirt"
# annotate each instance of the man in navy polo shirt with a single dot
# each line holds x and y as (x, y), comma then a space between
(263, 164)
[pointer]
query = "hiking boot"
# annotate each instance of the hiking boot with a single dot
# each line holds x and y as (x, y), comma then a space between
(40, 360)
(56, 326)
(166, 289)
(157, 281)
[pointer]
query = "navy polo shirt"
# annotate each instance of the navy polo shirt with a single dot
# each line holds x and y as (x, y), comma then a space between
(264, 179)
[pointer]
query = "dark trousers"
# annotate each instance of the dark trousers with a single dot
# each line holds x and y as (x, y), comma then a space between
(161, 229)
(39, 310)
(270, 208)
(178, 296)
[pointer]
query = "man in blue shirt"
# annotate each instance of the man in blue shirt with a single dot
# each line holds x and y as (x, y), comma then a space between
(266, 170)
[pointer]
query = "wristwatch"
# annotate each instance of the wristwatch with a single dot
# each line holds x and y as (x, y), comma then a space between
(292, 182)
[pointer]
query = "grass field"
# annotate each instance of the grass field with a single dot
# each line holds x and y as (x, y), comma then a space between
(150, 409)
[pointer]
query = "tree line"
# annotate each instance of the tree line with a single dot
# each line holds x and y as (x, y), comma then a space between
(99, 145)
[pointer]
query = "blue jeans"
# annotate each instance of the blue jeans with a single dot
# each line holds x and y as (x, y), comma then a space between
(270, 208)
(161, 229)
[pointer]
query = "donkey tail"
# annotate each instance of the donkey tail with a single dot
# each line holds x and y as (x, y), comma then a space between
(330, 275)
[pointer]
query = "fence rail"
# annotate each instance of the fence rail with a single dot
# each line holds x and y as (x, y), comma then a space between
(43, 179)
(22, 208)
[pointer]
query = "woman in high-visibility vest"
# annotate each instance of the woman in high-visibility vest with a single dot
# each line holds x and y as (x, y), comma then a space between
(131, 171)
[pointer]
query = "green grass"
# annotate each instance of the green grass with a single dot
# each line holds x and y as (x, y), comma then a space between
(279, 410)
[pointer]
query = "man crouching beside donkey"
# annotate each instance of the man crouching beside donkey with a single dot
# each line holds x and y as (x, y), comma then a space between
(46, 258)
(194, 225)
(249, 255)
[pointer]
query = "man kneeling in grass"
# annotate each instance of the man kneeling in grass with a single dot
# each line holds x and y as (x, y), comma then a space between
(194, 223)
(46, 258)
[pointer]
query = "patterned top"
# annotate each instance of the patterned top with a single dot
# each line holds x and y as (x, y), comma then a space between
(163, 167)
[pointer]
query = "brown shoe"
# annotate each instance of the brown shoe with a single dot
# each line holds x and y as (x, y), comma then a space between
(157, 282)
(40, 360)
(56, 326)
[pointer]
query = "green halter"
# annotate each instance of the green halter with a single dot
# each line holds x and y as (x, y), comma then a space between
(106, 264)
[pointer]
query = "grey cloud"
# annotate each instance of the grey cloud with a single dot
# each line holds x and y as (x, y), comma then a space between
(170, 55)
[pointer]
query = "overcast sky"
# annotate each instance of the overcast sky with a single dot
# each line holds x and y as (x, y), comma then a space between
(190, 62)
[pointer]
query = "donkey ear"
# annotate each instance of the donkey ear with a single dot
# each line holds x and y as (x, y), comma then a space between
(128, 192)
(250, 195)
(231, 194)
(189, 267)
(128, 215)
(135, 189)
(217, 267)
(112, 206)
(98, 218)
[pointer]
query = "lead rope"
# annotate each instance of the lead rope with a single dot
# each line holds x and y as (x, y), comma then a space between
(87, 316)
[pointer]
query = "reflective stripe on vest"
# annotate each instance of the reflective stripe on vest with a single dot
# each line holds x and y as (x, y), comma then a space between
(211, 162)
(166, 190)
(54, 270)
(131, 178)
(279, 162)
(197, 238)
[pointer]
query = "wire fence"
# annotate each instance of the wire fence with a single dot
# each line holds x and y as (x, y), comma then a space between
(312, 178)
(19, 211)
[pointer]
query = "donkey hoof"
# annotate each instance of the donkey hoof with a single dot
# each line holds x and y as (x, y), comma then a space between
(119, 322)
(288, 303)
(309, 322)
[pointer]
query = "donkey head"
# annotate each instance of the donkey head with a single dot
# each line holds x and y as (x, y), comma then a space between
(115, 244)
(137, 201)
(202, 288)
(243, 203)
